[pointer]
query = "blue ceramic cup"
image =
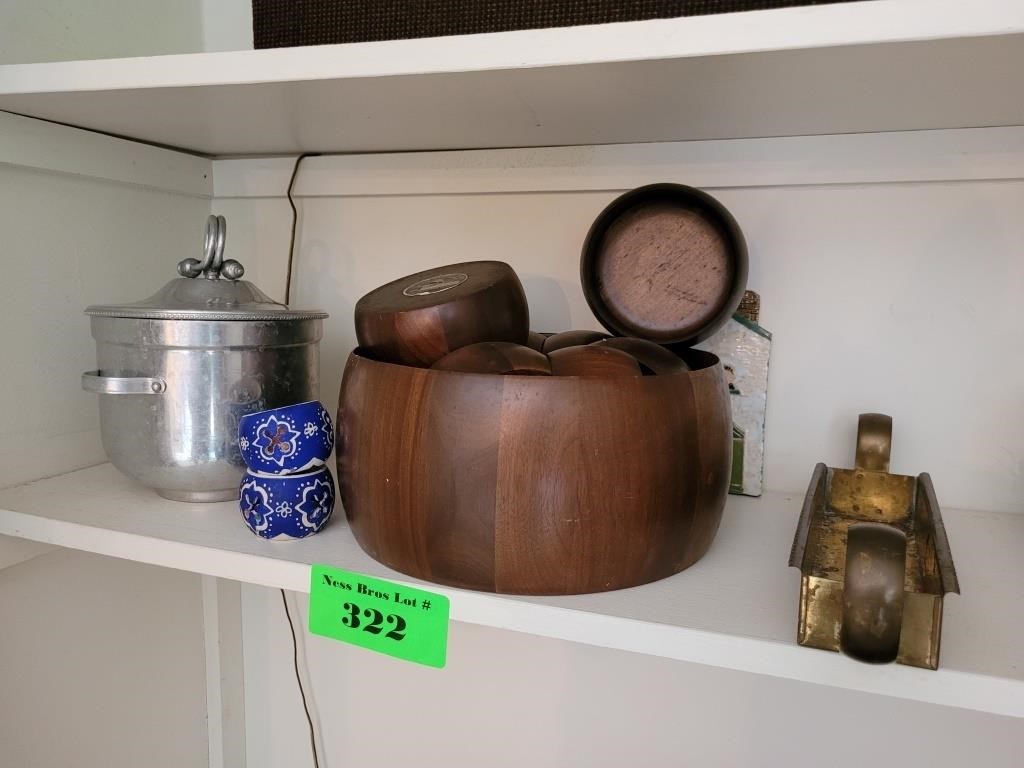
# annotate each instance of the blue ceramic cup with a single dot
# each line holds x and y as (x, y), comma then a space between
(293, 438)
(282, 507)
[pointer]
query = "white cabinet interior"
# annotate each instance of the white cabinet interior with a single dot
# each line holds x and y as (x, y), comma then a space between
(888, 264)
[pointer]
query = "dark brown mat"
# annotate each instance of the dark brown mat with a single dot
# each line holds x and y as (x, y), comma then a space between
(284, 23)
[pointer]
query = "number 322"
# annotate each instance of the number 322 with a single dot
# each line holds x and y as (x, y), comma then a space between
(376, 626)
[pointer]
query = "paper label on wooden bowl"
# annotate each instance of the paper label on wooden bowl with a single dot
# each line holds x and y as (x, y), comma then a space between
(389, 618)
(436, 284)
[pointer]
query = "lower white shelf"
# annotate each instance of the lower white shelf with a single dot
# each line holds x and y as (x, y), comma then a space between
(734, 609)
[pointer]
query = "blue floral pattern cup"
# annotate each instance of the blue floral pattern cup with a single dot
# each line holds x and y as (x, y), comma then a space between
(282, 507)
(293, 438)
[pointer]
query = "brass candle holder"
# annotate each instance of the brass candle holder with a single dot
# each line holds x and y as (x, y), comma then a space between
(874, 558)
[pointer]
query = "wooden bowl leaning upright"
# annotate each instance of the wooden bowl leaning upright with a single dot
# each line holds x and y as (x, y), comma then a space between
(534, 484)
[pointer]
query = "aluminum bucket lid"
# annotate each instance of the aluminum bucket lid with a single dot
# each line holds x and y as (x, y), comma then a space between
(208, 290)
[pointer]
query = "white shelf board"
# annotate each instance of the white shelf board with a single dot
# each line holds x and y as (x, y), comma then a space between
(875, 65)
(736, 608)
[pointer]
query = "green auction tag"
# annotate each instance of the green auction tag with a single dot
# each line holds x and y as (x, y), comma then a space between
(400, 621)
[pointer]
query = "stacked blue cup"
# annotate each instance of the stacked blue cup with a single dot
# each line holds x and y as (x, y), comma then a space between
(287, 491)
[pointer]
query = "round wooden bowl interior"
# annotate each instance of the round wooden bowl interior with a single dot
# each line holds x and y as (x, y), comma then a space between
(533, 485)
(665, 262)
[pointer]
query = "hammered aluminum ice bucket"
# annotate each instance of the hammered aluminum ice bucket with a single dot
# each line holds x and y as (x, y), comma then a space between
(178, 370)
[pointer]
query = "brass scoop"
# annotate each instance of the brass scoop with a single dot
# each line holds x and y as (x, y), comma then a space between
(874, 558)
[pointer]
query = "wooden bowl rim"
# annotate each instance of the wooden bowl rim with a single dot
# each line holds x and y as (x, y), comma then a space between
(708, 361)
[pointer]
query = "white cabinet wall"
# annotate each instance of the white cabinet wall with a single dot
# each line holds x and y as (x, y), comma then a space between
(889, 266)
(507, 700)
(101, 660)
(887, 289)
(867, 286)
(66, 30)
(101, 663)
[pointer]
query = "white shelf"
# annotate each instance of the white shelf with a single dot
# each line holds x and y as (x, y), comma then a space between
(735, 609)
(878, 65)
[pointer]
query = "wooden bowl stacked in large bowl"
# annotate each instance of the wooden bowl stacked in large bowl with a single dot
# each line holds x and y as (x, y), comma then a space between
(419, 319)
(547, 484)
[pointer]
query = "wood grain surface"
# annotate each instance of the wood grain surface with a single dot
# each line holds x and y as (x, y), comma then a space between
(501, 357)
(593, 362)
(533, 485)
(654, 359)
(571, 339)
(418, 319)
(663, 263)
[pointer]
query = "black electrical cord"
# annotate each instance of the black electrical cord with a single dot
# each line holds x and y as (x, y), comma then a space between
(295, 219)
(284, 599)
(298, 679)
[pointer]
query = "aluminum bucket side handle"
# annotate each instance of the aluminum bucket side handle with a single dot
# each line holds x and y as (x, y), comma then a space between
(95, 381)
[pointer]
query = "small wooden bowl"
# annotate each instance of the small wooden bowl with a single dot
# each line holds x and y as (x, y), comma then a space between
(565, 339)
(419, 319)
(665, 262)
(594, 362)
(654, 359)
(501, 357)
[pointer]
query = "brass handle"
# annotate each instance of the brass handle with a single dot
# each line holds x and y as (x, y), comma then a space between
(874, 441)
(876, 556)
